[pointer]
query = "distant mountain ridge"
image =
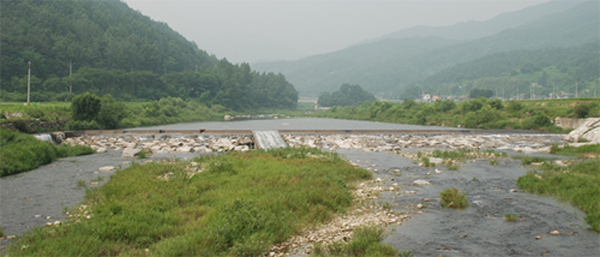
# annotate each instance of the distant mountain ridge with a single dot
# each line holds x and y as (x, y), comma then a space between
(389, 66)
(477, 29)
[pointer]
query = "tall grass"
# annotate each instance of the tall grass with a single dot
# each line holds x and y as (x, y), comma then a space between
(581, 150)
(365, 242)
(240, 205)
(578, 184)
(21, 152)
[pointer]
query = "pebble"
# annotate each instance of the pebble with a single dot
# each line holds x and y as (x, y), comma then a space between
(555, 232)
(420, 182)
(106, 168)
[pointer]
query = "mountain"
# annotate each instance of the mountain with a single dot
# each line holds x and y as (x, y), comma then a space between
(116, 50)
(552, 69)
(477, 29)
(403, 62)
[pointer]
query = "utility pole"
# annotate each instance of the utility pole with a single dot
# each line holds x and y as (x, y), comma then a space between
(28, 80)
(70, 72)
(517, 93)
(553, 90)
(576, 90)
(196, 67)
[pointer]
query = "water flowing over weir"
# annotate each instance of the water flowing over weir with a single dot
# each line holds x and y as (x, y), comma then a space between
(270, 139)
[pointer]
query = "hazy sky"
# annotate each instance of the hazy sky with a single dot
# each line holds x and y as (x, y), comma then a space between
(253, 30)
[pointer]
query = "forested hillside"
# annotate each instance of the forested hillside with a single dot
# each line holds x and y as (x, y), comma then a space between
(559, 68)
(412, 60)
(116, 50)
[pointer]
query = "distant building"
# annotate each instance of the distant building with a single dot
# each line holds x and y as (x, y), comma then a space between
(435, 98)
(426, 97)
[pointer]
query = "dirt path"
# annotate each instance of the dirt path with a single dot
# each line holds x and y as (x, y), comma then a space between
(479, 230)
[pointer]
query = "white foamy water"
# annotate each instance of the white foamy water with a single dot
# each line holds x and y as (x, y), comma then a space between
(269, 139)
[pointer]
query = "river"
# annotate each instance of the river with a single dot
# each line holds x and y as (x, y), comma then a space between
(33, 198)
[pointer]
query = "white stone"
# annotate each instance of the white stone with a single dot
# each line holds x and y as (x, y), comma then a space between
(436, 160)
(129, 152)
(107, 168)
(420, 182)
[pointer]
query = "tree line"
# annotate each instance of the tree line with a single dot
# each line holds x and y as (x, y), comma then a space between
(115, 50)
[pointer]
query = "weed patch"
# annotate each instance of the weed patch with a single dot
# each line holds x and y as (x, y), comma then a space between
(242, 204)
(366, 242)
(578, 184)
(511, 217)
(453, 198)
(22, 152)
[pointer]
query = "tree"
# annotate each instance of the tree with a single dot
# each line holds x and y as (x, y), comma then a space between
(111, 112)
(85, 107)
(346, 96)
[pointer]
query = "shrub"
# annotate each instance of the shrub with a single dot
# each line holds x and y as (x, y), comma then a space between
(111, 113)
(451, 197)
(511, 217)
(582, 110)
(85, 107)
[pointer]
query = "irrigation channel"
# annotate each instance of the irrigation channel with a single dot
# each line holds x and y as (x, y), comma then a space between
(39, 196)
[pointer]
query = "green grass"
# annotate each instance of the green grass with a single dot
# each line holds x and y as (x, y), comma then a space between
(578, 184)
(21, 152)
(577, 151)
(453, 198)
(511, 217)
(527, 160)
(465, 154)
(144, 153)
(240, 205)
(365, 242)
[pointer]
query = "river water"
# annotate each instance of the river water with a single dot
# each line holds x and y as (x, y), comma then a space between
(27, 199)
(293, 124)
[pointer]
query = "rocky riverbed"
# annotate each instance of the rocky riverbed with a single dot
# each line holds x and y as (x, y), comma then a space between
(403, 197)
(130, 145)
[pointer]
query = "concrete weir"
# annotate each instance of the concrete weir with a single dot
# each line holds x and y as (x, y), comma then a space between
(269, 139)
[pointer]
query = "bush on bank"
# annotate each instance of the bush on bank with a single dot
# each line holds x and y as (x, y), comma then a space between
(239, 205)
(479, 113)
(578, 184)
(20, 152)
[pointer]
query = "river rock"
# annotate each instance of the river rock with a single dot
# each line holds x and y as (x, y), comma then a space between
(420, 182)
(590, 130)
(107, 168)
(129, 152)
(435, 160)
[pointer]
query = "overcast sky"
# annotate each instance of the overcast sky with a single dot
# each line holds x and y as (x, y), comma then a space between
(253, 30)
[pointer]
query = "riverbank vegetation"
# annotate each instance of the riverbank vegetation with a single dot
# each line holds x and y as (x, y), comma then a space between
(578, 184)
(479, 113)
(21, 152)
(240, 204)
(347, 95)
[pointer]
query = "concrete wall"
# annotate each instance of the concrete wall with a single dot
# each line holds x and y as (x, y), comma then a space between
(567, 123)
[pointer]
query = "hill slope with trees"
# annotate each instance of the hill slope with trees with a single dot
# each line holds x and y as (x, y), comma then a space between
(404, 65)
(116, 50)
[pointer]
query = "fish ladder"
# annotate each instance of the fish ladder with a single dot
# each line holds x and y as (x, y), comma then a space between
(269, 139)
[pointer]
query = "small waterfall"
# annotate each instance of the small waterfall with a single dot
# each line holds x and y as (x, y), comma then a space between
(45, 137)
(269, 139)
